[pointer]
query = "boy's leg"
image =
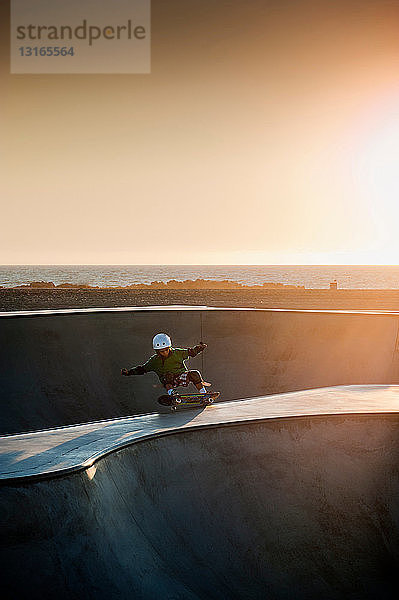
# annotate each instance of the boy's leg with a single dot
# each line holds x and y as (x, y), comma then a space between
(169, 383)
(196, 379)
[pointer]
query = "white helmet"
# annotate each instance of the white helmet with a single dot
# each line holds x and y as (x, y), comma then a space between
(161, 341)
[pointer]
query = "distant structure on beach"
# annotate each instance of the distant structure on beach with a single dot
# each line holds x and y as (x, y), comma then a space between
(334, 285)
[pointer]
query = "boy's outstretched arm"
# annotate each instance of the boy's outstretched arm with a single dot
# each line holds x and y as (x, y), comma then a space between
(139, 370)
(197, 349)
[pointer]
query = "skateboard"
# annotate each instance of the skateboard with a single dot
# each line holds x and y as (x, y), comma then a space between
(176, 400)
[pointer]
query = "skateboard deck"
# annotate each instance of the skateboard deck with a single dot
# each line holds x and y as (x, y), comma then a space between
(188, 400)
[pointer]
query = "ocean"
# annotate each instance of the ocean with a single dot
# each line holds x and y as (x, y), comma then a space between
(311, 276)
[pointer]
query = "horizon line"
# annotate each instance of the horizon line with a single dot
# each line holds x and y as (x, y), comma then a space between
(199, 265)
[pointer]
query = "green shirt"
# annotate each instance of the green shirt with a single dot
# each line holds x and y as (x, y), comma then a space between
(174, 363)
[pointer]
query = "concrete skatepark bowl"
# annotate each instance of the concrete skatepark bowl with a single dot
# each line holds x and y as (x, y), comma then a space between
(292, 492)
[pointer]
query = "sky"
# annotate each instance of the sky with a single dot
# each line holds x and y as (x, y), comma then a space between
(266, 133)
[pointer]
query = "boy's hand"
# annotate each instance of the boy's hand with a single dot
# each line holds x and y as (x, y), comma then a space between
(125, 372)
(203, 345)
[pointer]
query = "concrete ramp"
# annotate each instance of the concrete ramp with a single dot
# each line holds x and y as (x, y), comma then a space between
(63, 367)
(292, 495)
(302, 506)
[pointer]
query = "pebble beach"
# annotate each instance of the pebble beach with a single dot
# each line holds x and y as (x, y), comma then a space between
(17, 299)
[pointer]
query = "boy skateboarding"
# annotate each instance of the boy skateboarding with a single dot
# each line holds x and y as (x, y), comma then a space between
(168, 363)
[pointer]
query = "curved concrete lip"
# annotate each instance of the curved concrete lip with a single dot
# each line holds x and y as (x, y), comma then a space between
(56, 452)
(183, 307)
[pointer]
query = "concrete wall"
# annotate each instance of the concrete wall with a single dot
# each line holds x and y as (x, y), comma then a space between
(59, 369)
(299, 507)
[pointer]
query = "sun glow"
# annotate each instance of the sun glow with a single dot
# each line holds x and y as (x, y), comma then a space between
(374, 163)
